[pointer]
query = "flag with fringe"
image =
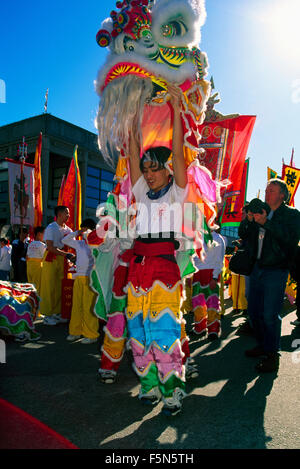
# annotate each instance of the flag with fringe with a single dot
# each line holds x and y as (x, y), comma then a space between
(291, 176)
(271, 174)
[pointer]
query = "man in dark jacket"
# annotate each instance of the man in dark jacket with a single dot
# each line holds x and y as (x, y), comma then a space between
(272, 238)
(18, 256)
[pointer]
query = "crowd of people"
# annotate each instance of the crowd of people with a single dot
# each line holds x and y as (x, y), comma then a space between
(152, 322)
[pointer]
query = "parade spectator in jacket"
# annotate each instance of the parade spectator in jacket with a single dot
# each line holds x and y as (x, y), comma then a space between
(272, 238)
(18, 256)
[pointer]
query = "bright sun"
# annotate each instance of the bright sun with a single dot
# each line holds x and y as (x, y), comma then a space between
(281, 20)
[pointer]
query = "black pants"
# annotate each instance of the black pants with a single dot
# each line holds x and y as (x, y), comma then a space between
(20, 272)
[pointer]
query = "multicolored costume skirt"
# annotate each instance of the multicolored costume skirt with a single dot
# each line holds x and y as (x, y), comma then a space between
(206, 303)
(115, 330)
(154, 319)
(19, 304)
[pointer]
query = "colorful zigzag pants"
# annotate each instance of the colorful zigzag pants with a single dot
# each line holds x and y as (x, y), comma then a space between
(206, 303)
(154, 319)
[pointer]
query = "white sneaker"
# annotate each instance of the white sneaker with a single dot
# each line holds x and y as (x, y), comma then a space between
(59, 319)
(71, 337)
(107, 376)
(191, 369)
(173, 405)
(151, 398)
(49, 321)
(22, 337)
(86, 340)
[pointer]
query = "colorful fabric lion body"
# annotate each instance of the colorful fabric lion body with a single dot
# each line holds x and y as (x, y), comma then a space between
(19, 304)
(151, 44)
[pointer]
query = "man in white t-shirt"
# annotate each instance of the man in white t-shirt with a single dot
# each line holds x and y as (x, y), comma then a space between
(34, 258)
(83, 320)
(153, 313)
(53, 267)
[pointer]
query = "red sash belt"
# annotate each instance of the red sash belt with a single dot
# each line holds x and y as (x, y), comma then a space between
(152, 266)
(153, 249)
(50, 256)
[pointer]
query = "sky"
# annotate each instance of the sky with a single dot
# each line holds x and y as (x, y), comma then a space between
(253, 52)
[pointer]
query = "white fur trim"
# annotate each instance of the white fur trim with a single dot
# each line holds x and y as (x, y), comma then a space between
(191, 12)
(186, 71)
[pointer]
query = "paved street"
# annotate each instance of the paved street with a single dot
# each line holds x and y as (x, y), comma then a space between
(228, 406)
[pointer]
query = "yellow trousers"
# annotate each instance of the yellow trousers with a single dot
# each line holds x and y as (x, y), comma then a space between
(238, 289)
(50, 294)
(34, 272)
(83, 321)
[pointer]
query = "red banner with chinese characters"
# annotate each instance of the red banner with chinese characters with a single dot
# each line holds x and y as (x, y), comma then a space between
(226, 144)
(233, 204)
(291, 176)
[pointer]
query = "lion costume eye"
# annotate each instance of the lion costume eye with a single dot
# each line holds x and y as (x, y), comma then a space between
(129, 44)
(174, 28)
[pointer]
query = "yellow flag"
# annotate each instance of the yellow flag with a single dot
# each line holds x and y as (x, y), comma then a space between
(271, 174)
(292, 178)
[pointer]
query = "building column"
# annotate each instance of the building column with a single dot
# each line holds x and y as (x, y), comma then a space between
(45, 163)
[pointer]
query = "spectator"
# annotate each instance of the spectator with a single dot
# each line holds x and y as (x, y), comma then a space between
(5, 259)
(18, 256)
(273, 238)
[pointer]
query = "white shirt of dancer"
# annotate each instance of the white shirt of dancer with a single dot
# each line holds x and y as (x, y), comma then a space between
(36, 250)
(84, 257)
(56, 233)
(163, 215)
(214, 256)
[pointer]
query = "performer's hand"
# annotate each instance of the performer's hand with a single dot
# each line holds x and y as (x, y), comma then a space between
(175, 96)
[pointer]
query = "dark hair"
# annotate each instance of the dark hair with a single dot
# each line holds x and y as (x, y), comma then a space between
(283, 187)
(157, 155)
(4, 240)
(38, 229)
(24, 230)
(59, 209)
(88, 223)
(257, 206)
(246, 207)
